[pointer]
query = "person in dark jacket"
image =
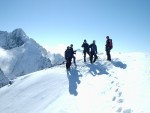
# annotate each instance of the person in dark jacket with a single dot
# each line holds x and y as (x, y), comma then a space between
(108, 48)
(93, 48)
(73, 52)
(85, 46)
(68, 57)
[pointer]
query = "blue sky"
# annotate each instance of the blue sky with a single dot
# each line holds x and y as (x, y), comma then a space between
(54, 22)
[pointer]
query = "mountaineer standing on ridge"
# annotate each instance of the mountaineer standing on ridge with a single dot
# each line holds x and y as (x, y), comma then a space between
(108, 47)
(85, 46)
(93, 52)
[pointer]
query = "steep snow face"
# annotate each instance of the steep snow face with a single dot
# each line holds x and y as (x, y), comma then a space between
(3, 79)
(13, 39)
(21, 55)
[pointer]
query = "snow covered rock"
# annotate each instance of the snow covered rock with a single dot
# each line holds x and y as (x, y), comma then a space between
(3, 79)
(20, 54)
(14, 39)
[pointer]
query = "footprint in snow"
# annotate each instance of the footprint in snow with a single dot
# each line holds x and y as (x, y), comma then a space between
(112, 82)
(119, 109)
(120, 101)
(116, 90)
(120, 93)
(114, 98)
(127, 111)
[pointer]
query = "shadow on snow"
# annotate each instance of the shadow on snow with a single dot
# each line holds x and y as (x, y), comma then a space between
(73, 77)
(119, 64)
(97, 69)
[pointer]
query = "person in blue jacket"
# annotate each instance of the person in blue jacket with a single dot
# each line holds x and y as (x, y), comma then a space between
(93, 52)
(85, 46)
(73, 52)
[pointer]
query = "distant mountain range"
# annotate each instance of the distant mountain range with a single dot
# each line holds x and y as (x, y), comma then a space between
(20, 55)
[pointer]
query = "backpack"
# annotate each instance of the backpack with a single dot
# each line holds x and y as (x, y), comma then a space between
(68, 53)
(110, 43)
(93, 48)
(85, 46)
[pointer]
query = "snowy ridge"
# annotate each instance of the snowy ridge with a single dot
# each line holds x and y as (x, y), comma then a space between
(102, 87)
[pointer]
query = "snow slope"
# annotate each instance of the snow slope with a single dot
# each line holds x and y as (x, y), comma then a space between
(120, 86)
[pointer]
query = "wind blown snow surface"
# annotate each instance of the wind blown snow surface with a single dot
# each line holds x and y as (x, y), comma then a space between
(119, 86)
